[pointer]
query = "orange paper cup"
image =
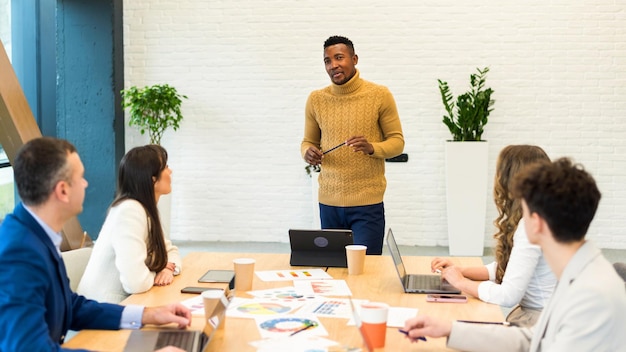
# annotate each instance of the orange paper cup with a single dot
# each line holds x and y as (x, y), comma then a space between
(374, 322)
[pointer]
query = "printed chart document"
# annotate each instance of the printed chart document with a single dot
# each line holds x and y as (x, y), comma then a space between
(258, 307)
(330, 307)
(323, 287)
(290, 325)
(289, 275)
(195, 305)
(295, 343)
(282, 293)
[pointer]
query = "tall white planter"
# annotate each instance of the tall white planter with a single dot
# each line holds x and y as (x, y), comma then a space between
(466, 196)
(315, 186)
(165, 213)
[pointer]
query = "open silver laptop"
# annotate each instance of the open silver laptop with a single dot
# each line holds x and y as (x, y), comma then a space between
(188, 340)
(416, 283)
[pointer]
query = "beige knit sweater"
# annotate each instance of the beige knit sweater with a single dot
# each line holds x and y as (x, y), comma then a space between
(338, 112)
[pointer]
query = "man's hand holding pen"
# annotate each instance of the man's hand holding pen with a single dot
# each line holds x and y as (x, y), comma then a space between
(360, 144)
(313, 156)
(422, 325)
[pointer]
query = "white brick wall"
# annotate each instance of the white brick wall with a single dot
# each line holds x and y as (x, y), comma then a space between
(558, 70)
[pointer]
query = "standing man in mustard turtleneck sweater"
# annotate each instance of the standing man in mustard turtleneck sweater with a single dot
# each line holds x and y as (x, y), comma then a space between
(361, 117)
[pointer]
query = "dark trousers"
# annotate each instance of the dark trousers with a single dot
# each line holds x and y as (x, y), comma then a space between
(366, 222)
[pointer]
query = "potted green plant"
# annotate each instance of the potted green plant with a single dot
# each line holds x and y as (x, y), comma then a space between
(312, 168)
(467, 118)
(466, 158)
(153, 108)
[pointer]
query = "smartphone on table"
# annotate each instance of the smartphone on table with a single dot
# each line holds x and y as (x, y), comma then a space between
(197, 290)
(443, 298)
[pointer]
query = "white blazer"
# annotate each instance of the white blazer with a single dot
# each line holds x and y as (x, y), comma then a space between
(117, 265)
(587, 312)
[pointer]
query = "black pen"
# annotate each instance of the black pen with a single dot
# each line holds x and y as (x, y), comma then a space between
(504, 323)
(335, 147)
(304, 328)
(407, 334)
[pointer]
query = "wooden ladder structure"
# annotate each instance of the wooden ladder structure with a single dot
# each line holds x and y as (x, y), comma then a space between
(18, 126)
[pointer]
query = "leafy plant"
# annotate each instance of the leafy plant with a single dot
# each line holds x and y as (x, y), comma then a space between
(467, 117)
(153, 108)
(312, 168)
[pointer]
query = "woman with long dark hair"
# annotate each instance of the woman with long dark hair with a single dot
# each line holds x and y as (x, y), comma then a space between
(131, 253)
(519, 276)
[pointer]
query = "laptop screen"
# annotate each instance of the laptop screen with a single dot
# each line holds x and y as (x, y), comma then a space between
(320, 240)
(395, 254)
(326, 248)
(215, 314)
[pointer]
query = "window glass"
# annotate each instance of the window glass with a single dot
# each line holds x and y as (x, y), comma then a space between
(5, 25)
(7, 192)
(3, 157)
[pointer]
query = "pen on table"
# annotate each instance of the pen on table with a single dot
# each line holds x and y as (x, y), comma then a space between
(308, 326)
(335, 147)
(407, 334)
(504, 323)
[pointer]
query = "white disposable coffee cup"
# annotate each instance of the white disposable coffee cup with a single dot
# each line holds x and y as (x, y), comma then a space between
(210, 299)
(355, 253)
(244, 273)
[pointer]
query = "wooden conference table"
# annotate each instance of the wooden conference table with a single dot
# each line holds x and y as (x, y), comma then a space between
(379, 282)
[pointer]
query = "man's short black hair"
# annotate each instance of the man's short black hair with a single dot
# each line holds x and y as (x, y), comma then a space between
(39, 165)
(337, 39)
(563, 194)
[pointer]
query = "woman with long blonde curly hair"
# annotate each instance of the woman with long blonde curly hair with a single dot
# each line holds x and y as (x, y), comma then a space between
(519, 276)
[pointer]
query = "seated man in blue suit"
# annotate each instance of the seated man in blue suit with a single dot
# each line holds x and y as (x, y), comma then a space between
(586, 311)
(36, 303)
